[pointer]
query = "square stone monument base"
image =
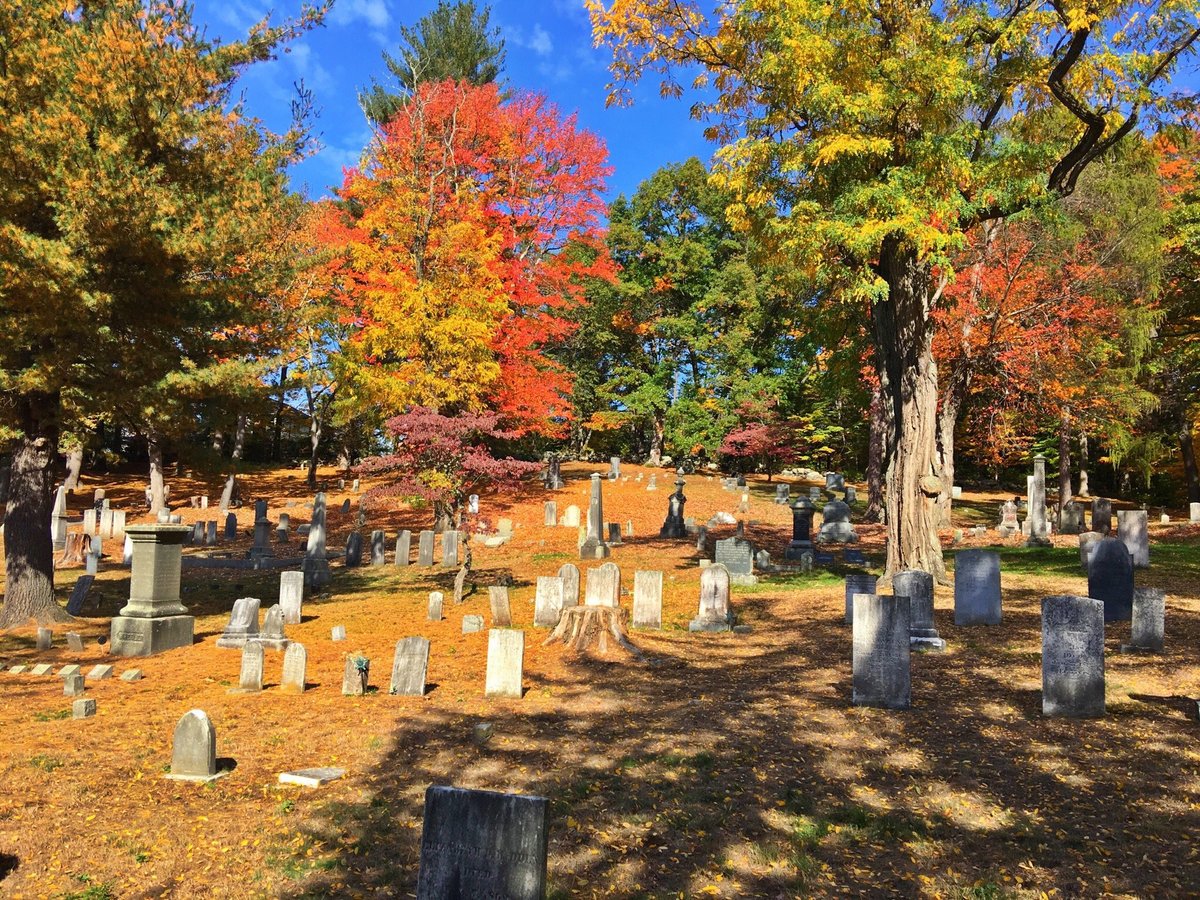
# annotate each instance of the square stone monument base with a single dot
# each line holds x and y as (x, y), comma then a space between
(715, 624)
(593, 549)
(146, 637)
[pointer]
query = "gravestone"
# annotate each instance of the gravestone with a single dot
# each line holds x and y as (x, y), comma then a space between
(316, 563)
(291, 596)
(295, 669)
(1009, 521)
(261, 548)
(281, 530)
(1110, 579)
(79, 594)
(72, 669)
(550, 517)
(1102, 515)
(835, 481)
(210, 533)
(782, 493)
(851, 496)
(1087, 542)
(354, 544)
(603, 586)
(473, 504)
(337, 633)
(356, 675)
(714, 613)
(675, 525)
(58, 519)
(73, 685)
(243, 623)
(736, 554)
(471, 624)
(272, 630)
(41, 669)
(409, 667)
(1072, 656)
(1133, 528)
(153, 620)
(614, 468)
(1070, 520)
(614, 534)
(569, 573)
(553, 479)
(570, 517)
(857, 583)
(977, 598)
(378, 551)
(647, 599)
(89, 522)
(802, 515)
(835, 524)
(74, 642)
(1038, 530)
(127, 552)
(450, 550)
(132, 675)
(505, 663)
(1194, 512)
(501, 609)
(194, 749)
(548, 601)
(231, 527)
(482, 844)
(1149, 612)
(260, 509)
(435, 606)
(594, 545)
(403, 548)
(251, 679)
(345, 504)
(92, 563)
(100, 672)
(425, 548)
(917, 586)
(460, 581)
(881, 663)
(83, 708)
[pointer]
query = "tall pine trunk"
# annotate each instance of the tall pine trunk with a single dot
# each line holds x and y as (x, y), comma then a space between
(74, 467)
(876, 441)
(277, 437)
(158, 498)
(28, 548)
(1188, 451)
(1064, 461)
(1083, 464)
(903, 330)
(229, 494)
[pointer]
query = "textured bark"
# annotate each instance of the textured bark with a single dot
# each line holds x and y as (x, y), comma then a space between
(74, 466)
(28, 547)
(903, 329)
(1188, 451)
(1083, 464)
(277, 437)
(157, 494)
(875, 448)
(230, 494)
(947, 422)
(1064, 461)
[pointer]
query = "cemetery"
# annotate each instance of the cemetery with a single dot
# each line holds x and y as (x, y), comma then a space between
(458, 450)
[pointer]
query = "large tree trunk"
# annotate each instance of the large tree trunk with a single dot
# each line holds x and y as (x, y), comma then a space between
(229, 494)
(157, 493)
(1188, 451)
(74, 466)
(277, 437)
(314, 434)
(28, 547)
(659, 425)
(875, 446)
(903, 330)
(947, 422)
(1064, 460)
(1083, 464)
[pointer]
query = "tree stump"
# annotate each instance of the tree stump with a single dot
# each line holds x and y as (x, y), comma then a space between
(78, 544)
(581, 626)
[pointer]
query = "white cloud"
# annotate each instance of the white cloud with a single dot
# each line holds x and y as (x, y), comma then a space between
(538, 40)
(374, 12)
(315, 75)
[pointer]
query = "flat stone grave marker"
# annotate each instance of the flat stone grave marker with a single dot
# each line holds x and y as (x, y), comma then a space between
(977, 597)
(435, 606)
(79, 594)
(505, 663)
(410, 666)
(1149, 612)
(482, 844)
(603, 586)
(317, 777)
(41, 669)
(338, 633)
(68, 670)
(881, 671)
(100, 672)
(569, 573)
(501, 610)
(1110, 579)
(73, 685)
(857, 583)
(132, 675)
(1072, 656)
(472, 624)
(647, 599)
(17, 670)
(295, 669)
(548, 601)
(83, 708)
(291, 596)
(194, 750)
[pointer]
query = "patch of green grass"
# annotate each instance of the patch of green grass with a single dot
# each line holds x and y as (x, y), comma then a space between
(984, 890)
(45, 763)
(102, 891)
(819, 577)
(550, 557)
(1036, 561)
(286, 806)
(51, 716)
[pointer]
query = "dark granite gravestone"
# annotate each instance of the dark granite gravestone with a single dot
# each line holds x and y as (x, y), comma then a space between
(79, 594)
(482, 845)
(378, 551)
(977, 587)
(881, 673)
(736, 555)
(1072, 656)
(802, 515)
(857, 583)
(354, 549)
(1110, 579)
(917, 586)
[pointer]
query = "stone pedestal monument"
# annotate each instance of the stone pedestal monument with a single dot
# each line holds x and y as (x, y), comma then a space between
(802, 516)
(675, 525)
(316, 564)
(1038, 532)
(153, 620)
(593, 546)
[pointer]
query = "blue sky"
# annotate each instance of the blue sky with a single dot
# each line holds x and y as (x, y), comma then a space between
(549, 49)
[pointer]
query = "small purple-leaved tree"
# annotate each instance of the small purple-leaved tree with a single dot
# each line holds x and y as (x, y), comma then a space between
(443, 459)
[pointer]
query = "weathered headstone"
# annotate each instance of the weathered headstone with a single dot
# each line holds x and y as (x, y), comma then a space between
(295, 669)
(132, 675)
(473, 504)
(917, 586)
(378, 549)
(614, 534)
(603, 586)
(835, 524)
(356, 675)
(857, 583)
(548, 601)
(570, 517)
(1133, 528)
(73, 685)
(272, 631)
(1010, 523)
(594, 545)
(1110, 579)
(977, 597)
(1194, 512)
(647, 599)
(251, 679)
(403, 548)
(460, 583)
(714, 613)
(79, 594)
(1102, 515)
(550, 518)
(74, 642)
(1087, 542)
(501, 610)
(471, 624)
(231, 527)
(652, 484)
(1072, 656)
(316, 563)
(482, 844)
(880, 660)
(100, 672)
(83, 708)
(154, 619)
(243, 623)
(1149, 614)
(782, 493)
(354, 544)
(281, 529)
(210, 533)
(450, 541)
(505, 663)
(614, 468)
(435, 606)
(1070, 519)
(337, 633)
(409, 667)
(425, 548)
(1038, 531)
(835, 481)
(194, 750)
(291, 596)
(736, 554)
(569, 573)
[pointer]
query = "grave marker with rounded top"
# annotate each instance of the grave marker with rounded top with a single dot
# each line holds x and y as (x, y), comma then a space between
(505, 663)
(603, 586)
(548, 601)
(1133, 528)
(917, 586)
(835, 524)
(230, 527)
(713, 614)
(569, 573)
(250, 680)
(194, 750)
(353, 550)
(434, 613)
(378, 549)
(881, 670)
(291, 596)
(243, 623)
(272, 631)
(409, 667)
(1110, 579)
(570, 517)
(1087, 542)
(647, 599)
(501, 610)
(1149, 613)
(295, 669)
(977, 592)
(1101, 515)
(356, 675)
(1072, 656)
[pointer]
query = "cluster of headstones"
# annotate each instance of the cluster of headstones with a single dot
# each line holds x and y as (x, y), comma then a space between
(426, 543)
(74, 681)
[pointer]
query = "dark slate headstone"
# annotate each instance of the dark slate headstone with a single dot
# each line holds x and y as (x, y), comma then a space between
(917, 586)
(354, 547)
(378, 551)
(881, 673)
(1149, 609)
(230, 527)
(977, 587)
(1102, 515)
(854, 557)
(79, 594)
(857, 583)
(1072, 656)
(1110, 579)
(482, 844)
(736, 555)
